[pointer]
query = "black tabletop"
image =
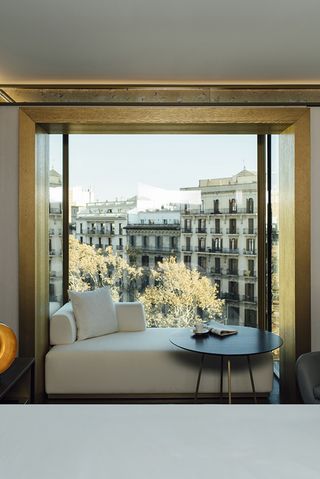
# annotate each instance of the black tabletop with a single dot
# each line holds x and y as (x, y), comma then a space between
(248, 341)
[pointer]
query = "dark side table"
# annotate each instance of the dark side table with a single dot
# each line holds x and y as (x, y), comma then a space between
(248, 342)
(17, 382)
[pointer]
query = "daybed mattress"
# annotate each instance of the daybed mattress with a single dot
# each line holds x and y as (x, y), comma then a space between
(145, 362)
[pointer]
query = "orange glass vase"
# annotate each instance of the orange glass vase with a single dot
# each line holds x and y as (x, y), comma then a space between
(8, 347)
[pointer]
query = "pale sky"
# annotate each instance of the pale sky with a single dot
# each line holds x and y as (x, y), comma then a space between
(114, 165)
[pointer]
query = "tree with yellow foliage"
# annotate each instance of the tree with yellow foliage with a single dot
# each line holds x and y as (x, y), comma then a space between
(90, 269)
(178, 295)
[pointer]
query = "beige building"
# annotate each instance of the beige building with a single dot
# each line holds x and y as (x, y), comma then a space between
(220, 239)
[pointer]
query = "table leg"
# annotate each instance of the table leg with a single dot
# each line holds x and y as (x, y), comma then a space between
(221, 379)
(252, 381)
(229, 381)
(199, 378)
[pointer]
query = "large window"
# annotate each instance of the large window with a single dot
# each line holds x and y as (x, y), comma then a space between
(149, 215)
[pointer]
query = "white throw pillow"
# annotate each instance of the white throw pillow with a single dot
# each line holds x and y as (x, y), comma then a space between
(94, 312)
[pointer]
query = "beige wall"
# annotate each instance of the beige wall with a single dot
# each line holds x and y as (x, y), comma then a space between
(315, 228)
(9, 220)
(9, 216)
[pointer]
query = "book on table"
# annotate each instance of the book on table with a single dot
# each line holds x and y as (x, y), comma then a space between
(221, 330)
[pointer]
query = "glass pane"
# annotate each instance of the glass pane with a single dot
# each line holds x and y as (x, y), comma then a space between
(55, 223)
(169, 220)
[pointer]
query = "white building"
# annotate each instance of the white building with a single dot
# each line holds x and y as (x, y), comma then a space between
(101, 224)
(220, 239)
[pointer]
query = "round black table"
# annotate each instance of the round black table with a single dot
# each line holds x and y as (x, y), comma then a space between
(247, 342)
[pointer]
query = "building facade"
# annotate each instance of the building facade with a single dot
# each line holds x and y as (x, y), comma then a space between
(219, 238)
(102, 224)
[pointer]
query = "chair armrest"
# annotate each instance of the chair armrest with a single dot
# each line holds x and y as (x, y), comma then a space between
(130, 316)
(63, 329)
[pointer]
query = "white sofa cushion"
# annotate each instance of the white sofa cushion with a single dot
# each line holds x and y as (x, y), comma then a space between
(130, 316)
(94, 312)
(63, 329)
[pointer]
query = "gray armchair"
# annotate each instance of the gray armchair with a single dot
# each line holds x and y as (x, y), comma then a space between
(308, 377)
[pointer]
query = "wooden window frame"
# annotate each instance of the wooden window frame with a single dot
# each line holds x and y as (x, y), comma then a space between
(294, 270)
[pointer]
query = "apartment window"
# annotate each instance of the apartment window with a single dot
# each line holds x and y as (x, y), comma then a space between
(249, 291)
(217, 265)
(81, 232)
(251, 267)
(90, 240)
(132, 241)
(250, 205)
(187, 226)
(188, 243)
(145, 260)
(145, 241)
(217, 226)
(250, 226)
(173, 242)
(217, 244)
(216, 206)
(158, 242)
(81, 239)
(233, 244)
(233, 266)
(100, 244)
(165, 222)
(250, 245)
(232, 206)
(233, 226)
(233, 290)
(120, 229)
(202, 226)
(233, 315)
(250, 318)
(187, 260)
(202, 263)
(201, 244)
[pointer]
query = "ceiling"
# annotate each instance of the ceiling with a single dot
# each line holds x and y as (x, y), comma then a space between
(159, 41)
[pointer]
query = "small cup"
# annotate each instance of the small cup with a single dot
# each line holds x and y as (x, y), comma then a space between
(198, 328)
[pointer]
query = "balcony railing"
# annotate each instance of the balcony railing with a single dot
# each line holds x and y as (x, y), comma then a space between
(201, 230)
(160, 249)
(232, 272)
(216, 271)
(186, 230)
(200, 249)
(231, 296)
(189, 249)
(215, 231)
(249, 274)
(249, 231)
(120, 247)
(250, 252)
(222, 211)
(232, 231)
(248, 298)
